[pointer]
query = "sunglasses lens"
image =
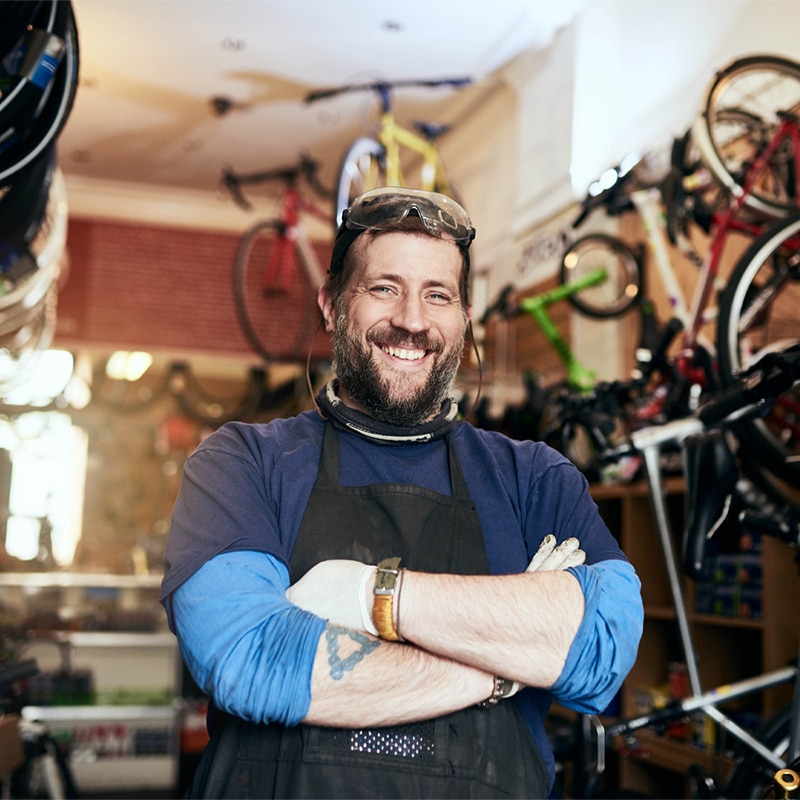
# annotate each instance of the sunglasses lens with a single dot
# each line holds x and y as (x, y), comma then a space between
(379, 209)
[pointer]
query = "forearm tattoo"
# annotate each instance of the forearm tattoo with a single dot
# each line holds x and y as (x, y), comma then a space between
(340, 665)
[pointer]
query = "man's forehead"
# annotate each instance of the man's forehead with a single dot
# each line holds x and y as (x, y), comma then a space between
(400, 251)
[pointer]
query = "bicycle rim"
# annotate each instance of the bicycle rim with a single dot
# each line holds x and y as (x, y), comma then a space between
(362, 169)
(741, 114)
(622, 286)
(758, 311)
(49, 124)
(277, 322)
(750, 779)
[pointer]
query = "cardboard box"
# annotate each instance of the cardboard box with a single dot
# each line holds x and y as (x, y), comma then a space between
(12, 754)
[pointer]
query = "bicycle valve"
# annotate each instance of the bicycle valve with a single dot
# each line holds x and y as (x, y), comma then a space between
(787, 781)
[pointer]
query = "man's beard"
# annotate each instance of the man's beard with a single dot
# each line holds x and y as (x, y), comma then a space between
(408, 405)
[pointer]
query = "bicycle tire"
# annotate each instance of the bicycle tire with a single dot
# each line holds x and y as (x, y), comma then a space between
(277, 325)
(756, 88)
(40, 129)
(749, 779)
(623, 285)
(363, 168)
(758, 310)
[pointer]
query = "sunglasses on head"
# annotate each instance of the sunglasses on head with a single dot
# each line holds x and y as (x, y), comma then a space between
(382, 209)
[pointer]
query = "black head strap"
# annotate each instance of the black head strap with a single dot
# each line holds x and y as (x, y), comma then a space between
(345, 418)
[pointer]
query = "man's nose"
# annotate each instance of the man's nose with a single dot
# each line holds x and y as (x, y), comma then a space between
(410, 314)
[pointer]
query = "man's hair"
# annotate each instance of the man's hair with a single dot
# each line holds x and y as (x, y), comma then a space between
(337, 282)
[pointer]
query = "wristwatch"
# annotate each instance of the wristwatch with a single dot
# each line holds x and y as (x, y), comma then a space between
(503, 687)
(383, 602)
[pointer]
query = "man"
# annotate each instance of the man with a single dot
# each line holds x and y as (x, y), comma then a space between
(360, 589)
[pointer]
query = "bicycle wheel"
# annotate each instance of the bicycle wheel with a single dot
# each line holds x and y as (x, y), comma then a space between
(622, 285)
(745, 103)
(276, 319)
(750, 778)
(362, 169)
(31, 119)
(759, 310)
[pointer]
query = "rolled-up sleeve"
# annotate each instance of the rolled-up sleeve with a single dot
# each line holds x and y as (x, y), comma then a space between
(607, 641)
(245, 644)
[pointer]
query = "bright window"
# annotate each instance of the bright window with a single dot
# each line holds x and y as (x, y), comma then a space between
(48, 467)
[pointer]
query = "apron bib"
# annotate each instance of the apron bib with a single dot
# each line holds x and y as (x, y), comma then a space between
(476, 752)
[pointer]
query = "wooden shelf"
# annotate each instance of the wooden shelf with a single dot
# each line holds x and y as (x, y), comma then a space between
(726, 622)
(676, 755)
(659, 612)
(603, 491)
(729, 648)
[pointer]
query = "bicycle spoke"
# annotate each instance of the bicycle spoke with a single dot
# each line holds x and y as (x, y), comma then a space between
(749, 102)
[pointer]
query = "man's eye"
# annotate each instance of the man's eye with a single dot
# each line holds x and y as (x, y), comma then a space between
(440, 297)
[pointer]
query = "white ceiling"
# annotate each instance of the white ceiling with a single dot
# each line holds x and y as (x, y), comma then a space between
(149, 68)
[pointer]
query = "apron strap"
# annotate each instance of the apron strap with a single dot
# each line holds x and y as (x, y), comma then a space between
(328, 469)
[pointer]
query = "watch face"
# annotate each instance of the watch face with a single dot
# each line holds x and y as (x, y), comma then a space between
(385, 580)
(387, 574)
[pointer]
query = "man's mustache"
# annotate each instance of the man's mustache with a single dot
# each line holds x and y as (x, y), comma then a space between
(397, 337)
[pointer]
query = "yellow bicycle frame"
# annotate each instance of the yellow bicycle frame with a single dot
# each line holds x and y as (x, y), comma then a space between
(393, 136)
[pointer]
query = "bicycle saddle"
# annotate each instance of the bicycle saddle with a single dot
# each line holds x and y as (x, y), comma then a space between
(711, 476)
(432, 130)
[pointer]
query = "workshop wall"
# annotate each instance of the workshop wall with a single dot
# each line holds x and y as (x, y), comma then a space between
(140, 286)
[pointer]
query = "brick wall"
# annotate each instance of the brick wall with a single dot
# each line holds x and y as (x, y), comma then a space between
(132, 286)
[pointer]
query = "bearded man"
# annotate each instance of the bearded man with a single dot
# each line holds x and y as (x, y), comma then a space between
(380, 599)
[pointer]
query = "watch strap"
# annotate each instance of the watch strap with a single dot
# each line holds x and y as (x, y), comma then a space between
(384, 599)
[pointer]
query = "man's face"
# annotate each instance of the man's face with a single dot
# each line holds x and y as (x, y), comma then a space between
(398, 343)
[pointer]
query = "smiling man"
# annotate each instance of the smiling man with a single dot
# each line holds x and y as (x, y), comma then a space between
(398, 345)
(379, 599)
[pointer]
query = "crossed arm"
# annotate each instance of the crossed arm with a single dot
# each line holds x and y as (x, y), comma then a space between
(391, 684)
(265, 659)
(460, 631)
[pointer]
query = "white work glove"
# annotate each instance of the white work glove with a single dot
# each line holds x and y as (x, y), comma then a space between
(550, 558)
(337, 590)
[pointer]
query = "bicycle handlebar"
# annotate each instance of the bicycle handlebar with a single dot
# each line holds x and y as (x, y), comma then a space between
(306, 168)
(611, 196)
(772, 375)
(768, 378)
(383, 87)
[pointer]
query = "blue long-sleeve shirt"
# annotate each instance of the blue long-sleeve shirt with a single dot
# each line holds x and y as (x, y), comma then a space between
(242, 499)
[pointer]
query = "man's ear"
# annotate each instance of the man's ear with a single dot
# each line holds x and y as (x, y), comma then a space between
(327, 307)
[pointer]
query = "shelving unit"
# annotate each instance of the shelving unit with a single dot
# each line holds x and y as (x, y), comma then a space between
(129, 736)
(729, 648)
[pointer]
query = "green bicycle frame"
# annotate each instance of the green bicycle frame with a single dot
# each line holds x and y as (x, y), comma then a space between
(578, 376)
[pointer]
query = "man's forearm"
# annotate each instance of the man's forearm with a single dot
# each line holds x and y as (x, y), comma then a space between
(518, 626)
(361, 681)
